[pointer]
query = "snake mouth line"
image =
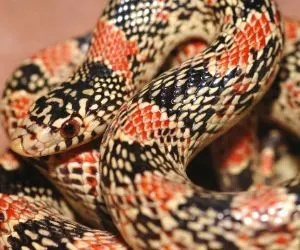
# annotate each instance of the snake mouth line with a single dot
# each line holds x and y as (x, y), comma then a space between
(17, 146)
(28, 144)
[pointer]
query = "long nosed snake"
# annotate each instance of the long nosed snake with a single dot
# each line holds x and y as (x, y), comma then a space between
(148, 144)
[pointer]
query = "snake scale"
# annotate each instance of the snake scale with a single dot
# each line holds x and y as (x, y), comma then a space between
(148, 130)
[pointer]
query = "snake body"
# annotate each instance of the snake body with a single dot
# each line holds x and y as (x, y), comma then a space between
(152, 136)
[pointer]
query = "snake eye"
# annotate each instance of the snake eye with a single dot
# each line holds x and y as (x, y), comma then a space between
(70, 128)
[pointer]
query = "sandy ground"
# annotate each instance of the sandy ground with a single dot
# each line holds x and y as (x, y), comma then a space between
(29, 25)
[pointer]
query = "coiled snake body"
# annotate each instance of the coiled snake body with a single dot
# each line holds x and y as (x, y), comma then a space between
(151, 136)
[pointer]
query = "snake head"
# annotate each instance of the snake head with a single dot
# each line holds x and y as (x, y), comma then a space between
(71, 114)
(53, 125)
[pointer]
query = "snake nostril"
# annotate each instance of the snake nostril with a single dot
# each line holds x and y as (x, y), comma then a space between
(33, 137)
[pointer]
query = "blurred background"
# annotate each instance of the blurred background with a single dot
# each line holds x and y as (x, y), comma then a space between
(29, 25)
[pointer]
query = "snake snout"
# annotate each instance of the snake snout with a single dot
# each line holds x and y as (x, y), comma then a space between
(30, 141)
(26, 147)
(16, 146)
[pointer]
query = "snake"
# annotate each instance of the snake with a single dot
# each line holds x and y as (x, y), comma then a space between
(153, 134)
(129, 65)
